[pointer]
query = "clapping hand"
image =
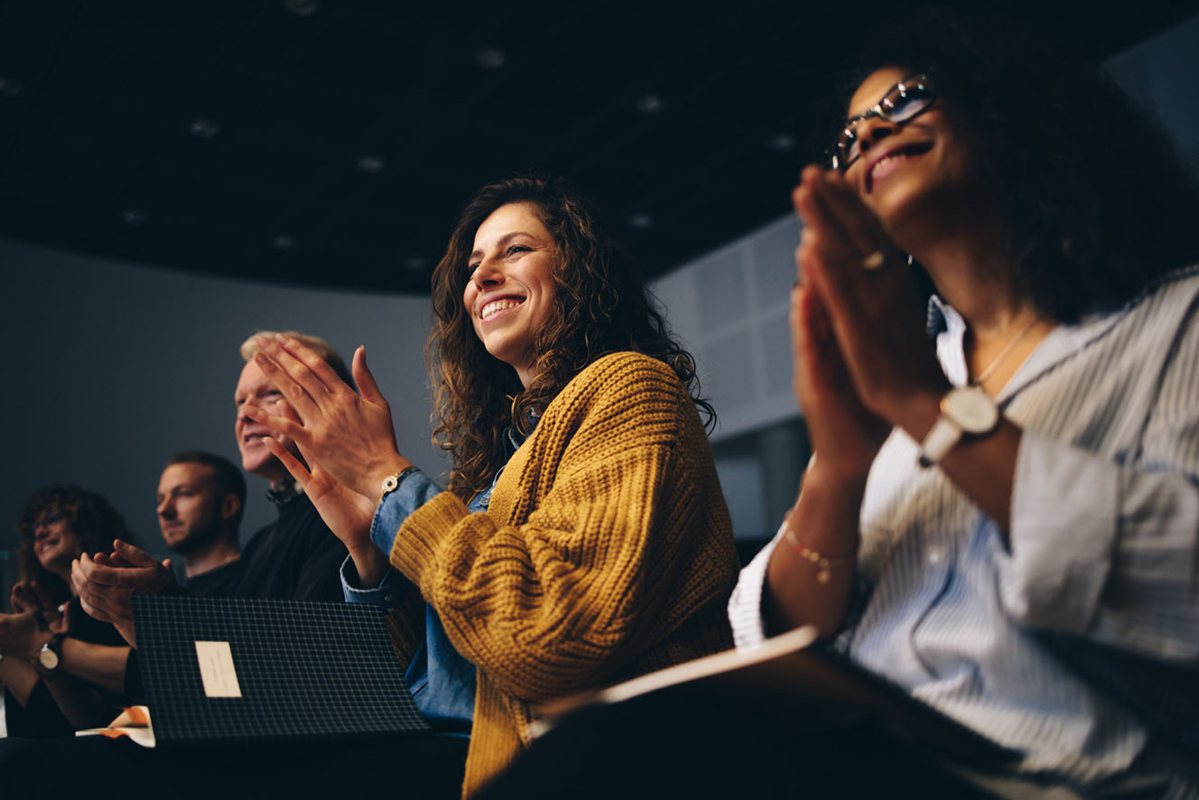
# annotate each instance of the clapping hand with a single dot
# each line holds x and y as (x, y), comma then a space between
(21, 635)
(29, 596)
(350, 435)
(866, 298)
(34, 619)
(347, 513)
(105, 583)
(346, 442)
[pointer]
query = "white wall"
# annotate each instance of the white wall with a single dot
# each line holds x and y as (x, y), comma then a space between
(730, 307)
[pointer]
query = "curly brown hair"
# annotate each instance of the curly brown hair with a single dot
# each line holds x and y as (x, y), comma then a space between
(90, 516)
(600, 306)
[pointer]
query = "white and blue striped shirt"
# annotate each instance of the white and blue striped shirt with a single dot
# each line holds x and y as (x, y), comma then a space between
(1079, 645)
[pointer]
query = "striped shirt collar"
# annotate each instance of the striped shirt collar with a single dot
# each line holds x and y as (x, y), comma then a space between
(1062, 343)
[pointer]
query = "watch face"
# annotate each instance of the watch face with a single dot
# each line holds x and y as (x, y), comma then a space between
(48, 659)
(971, 409)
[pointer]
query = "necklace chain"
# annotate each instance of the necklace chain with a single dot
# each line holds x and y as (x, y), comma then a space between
(995, 362)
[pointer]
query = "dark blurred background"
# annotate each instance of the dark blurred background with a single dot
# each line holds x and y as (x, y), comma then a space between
(275, 139)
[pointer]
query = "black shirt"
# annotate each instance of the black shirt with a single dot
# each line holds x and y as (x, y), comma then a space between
(40, 716)
(296, 557)
(217, 582)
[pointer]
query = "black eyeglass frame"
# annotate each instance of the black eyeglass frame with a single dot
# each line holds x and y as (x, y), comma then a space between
(883, 109)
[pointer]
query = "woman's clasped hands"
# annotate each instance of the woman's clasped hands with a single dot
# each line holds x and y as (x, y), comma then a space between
(863, 362)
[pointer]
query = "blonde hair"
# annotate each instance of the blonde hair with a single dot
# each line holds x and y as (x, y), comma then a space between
(250, 347)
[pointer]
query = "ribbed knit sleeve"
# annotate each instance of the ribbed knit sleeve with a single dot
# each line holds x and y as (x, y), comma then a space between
(607, 534)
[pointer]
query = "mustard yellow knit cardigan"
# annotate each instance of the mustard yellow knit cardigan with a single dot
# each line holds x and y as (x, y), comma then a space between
(606, 552)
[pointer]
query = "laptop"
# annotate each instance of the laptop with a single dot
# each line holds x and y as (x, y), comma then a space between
(228, 670)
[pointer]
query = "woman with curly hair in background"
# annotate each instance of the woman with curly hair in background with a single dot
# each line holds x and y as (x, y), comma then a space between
(56, 525)
(584, 538)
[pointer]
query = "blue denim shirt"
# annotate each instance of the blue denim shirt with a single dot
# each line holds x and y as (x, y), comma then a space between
(442, 682)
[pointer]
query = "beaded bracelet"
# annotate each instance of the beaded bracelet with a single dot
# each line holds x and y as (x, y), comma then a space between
(823, 563)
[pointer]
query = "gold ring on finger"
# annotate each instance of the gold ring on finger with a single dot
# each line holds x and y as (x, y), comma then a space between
(874, 260)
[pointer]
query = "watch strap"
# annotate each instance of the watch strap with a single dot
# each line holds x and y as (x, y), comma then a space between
(965, 411)
(940, 439)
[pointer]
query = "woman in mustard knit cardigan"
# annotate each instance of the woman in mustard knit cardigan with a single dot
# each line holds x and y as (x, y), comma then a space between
(584, 538)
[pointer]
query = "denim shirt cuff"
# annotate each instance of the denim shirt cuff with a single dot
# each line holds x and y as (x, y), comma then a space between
(387, 594)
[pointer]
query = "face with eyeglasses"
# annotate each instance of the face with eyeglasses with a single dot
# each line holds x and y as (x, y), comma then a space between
(899, 149)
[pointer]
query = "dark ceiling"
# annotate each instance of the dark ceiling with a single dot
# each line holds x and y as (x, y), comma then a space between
(332, 142)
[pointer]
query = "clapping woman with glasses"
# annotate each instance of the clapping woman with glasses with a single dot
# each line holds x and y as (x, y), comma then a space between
(1002, 511)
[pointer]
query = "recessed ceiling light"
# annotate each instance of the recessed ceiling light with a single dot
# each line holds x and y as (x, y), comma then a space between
(283, 242)
(641, 222)
(649, 104)
(204, 128)
(781, 142)
(415, 263)
(10, 88)
(133, 217)
(302, 8)
(491, 58)
(371, 164)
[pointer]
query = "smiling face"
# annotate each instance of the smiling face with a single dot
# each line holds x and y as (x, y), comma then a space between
(510, 294)
(255, 458)
(190, 509)
(55, 542)
(919, 166)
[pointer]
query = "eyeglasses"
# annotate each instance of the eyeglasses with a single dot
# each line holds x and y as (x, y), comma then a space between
(46, 519)
(905, 100)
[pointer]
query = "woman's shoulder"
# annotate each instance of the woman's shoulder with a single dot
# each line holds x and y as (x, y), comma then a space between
(1178, 287)
(624, 379)
(627, 367)
(626, 372)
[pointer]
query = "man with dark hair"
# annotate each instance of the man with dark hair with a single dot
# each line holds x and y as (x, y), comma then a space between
(201, 498)
(225, 476)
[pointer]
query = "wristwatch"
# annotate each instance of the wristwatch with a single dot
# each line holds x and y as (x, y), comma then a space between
(966, 410)
(49, 658)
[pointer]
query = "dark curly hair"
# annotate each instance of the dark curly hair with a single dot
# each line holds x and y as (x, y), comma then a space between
(89, 515)
(1096, 202)
(600, 306)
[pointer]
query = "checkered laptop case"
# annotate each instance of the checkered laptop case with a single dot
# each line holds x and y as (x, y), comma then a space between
(224, 670)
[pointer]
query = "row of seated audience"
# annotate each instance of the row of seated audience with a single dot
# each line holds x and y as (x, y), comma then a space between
(994, 349)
